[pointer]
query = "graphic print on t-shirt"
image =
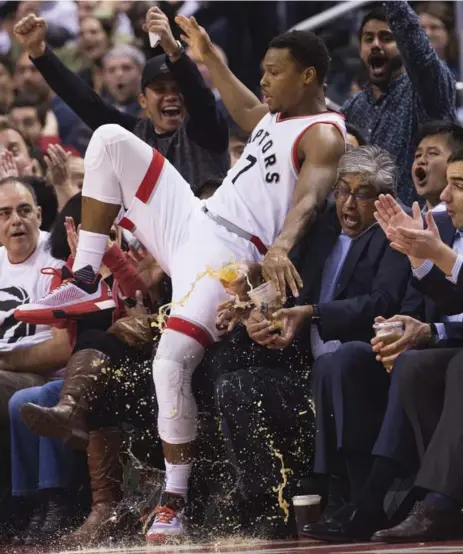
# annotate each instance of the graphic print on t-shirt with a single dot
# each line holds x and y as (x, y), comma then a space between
(10, 329)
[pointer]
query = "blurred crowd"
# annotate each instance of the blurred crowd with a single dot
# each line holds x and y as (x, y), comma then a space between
(356, 400)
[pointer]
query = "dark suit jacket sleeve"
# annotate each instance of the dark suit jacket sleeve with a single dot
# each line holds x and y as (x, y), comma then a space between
(81, 98)
(454, 332)
(447, 296)
(205, 125)
(413, 303)
(352, 318)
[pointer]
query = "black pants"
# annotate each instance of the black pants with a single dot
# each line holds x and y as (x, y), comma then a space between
(265, 414)
(431, 388)
(358, 410)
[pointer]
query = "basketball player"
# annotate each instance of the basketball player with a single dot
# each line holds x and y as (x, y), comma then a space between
(264, 205)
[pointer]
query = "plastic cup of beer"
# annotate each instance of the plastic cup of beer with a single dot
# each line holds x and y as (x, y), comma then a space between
(306, 510)
(389, 332)
(267, 302)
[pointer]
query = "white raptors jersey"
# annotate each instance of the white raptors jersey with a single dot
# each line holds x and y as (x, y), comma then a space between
(257, 192)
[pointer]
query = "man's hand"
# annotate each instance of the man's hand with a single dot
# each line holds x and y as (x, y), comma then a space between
(30, 32)
(391, 216)
(415, 334)
(157, 22)
(293, 319)
(8, 166)
(72, 235)
(195, 36)
(419, 243)
(57, 161)
(258, 328)
(229, 314)
(279, 269)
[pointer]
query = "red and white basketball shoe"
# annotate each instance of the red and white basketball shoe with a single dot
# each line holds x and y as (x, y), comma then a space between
(169, 519)
(79, 295)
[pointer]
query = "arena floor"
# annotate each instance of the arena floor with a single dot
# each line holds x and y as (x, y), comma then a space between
(262, 547)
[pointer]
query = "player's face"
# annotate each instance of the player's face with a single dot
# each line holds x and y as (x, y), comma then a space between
(355, 203)
(379, 52)
(452, 195)
(20, 221)
(164, 103)
(283, 83)
(430, 166)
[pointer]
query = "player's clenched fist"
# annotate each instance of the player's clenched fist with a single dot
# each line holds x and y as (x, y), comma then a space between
(30, 32)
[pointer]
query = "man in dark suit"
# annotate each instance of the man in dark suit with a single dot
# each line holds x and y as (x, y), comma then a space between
(430, 382)
(350, 276)
(362, 428)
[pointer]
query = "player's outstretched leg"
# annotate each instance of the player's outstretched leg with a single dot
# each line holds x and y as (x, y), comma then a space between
(116, 163)
(176, 359)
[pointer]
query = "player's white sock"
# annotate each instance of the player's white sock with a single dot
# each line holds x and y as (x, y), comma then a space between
(90, 250)
(177, 476)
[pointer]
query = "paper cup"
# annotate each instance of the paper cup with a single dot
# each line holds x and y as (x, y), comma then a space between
(306, 510)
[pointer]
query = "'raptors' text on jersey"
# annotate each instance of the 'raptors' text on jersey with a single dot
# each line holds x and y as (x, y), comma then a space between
(257, 192)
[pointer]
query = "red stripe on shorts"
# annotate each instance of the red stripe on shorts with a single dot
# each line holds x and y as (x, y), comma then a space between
(190, 330)
(151, 177)
(125, 223)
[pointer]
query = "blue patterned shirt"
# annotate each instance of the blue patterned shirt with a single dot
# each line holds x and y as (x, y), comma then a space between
(424, 93)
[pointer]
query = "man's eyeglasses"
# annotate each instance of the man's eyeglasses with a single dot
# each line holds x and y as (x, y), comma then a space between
(344, 193)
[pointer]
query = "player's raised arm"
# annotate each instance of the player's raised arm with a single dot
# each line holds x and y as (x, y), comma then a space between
(242, 104)
(318, 152)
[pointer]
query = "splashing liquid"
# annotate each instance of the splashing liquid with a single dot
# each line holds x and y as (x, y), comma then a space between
(279, 490)
(228, 273)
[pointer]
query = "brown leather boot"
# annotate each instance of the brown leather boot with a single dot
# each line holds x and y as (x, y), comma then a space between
(68, 419)
(105, 471)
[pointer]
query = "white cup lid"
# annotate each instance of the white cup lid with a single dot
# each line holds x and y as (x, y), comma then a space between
(307, 500)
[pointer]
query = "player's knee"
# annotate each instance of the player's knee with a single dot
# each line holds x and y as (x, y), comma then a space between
(176, 403)
(109, 132)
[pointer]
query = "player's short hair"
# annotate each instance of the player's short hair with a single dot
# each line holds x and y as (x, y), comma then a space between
(452, 131)
(24, 183)
(306, 49)
(23, 101)
(377, 14)
(373, 162)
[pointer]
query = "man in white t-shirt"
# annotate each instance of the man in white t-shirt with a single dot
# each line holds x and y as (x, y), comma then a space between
(28, 353)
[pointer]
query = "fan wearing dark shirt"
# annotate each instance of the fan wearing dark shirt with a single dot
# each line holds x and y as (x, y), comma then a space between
(183, 121)
(408, 86)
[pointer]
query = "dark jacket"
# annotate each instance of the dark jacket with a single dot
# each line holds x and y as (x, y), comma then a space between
(441, 297)
(198, 149)
(372, 282)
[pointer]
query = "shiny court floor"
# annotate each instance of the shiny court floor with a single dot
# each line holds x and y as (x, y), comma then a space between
(262, 547)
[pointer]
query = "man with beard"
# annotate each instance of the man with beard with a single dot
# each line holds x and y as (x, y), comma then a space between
(408, 85)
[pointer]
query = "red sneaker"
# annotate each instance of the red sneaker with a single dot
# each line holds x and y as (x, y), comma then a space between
(75, 298)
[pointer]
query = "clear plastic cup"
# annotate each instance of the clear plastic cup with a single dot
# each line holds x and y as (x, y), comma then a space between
(306, 510)
(389, 332)
(267, 302)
